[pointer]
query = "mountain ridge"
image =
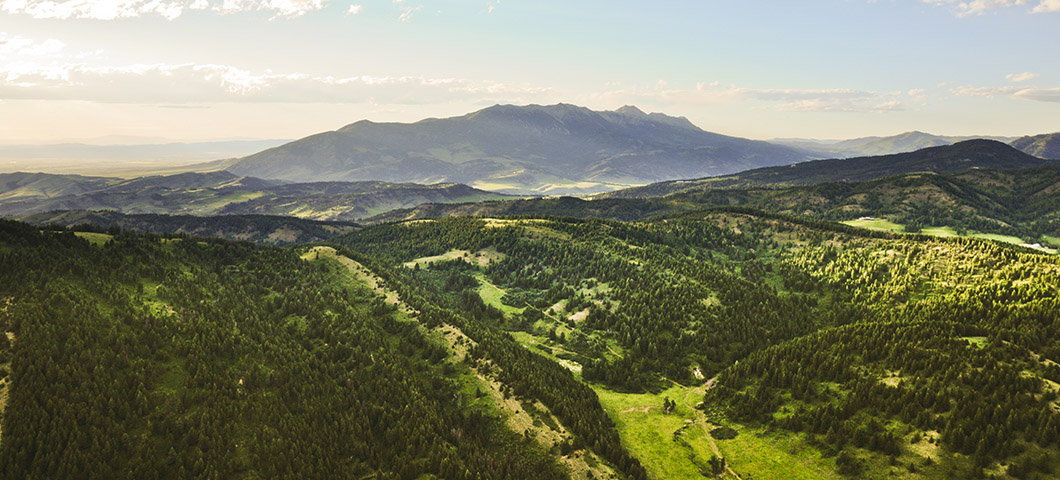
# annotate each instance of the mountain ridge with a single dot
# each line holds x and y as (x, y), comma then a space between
(559, 148)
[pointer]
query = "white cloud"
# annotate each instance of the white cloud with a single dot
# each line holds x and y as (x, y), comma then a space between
(18, 46)
(988, 92)
(407, 12)
(170, 9)
(784, 100)
(203, 83)
(978, 7)
(1024, 93)
(355, 9)
(1039, 94)
(1021, 77)
(1047, 6)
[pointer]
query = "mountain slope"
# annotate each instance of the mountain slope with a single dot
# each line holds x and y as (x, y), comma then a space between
(266, 229)
(1042, 146)
(1022, 203)
(224, 193)
(545, 149)
(146, 357)
(966, 155)
(872, 146)
(648, 311)
(21, 186)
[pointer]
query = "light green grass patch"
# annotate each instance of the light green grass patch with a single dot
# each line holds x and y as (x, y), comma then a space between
(876, 224)
(755, 454)
(427, 261)
(975, 341)
(97, 239)
(648, 433)
(492, 295)
(996, 237)
(939, 231)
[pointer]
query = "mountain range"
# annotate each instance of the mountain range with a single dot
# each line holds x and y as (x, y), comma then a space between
(871, 146)
(974, 186)
(965, 155)
(557, 149)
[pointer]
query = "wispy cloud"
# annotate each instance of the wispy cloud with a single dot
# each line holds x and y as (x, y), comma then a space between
(978, 7)
(408, 12)
(1021, 77)
(14, 46)
(989, 92)
(783, 100)
(1047, 6)
(355, 9)
(204, 83)
(1025, 93)
(1039, 94)
(170, 9)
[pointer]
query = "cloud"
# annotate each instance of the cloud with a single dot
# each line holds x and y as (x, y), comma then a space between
(355, 9)
(407, 12)
(1021, 77)
(988, 92)
(1024, 93)
(204, 83)
(783, 100)
(18, 46)
(1047, 6)
(169, 9)
(1039, 94)
(978, 7)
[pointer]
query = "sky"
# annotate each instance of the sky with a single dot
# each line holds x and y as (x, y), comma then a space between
(264, 69)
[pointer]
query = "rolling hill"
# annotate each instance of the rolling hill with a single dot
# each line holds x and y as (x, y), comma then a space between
(874, 146)
(966, 155)
(222, 193)
(23, 186)
(264, 229)
(1043, 146)
(721, 342)
(530, 149)
(1022, 204)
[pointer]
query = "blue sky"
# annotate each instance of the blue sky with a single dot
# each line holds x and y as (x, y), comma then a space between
(212, 69)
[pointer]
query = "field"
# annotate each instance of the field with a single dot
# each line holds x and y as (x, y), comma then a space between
(97, 239)
(876, 224)
(888, 226)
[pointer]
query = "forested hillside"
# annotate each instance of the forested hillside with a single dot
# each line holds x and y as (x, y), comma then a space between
(1022, 203)
(733, 343)
(148, 357)
(922, 349)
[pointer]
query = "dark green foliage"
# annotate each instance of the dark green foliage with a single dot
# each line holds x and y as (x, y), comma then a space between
(527, 374)
(155, 358)
(723, 433)
(267, 229)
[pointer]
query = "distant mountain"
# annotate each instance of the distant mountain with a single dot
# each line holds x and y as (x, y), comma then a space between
(1042, 146)
(966, 155)
(1023, 203)
(221, 193)
(273, 230)
(24, 186)
(872, 146)
(558, 149)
